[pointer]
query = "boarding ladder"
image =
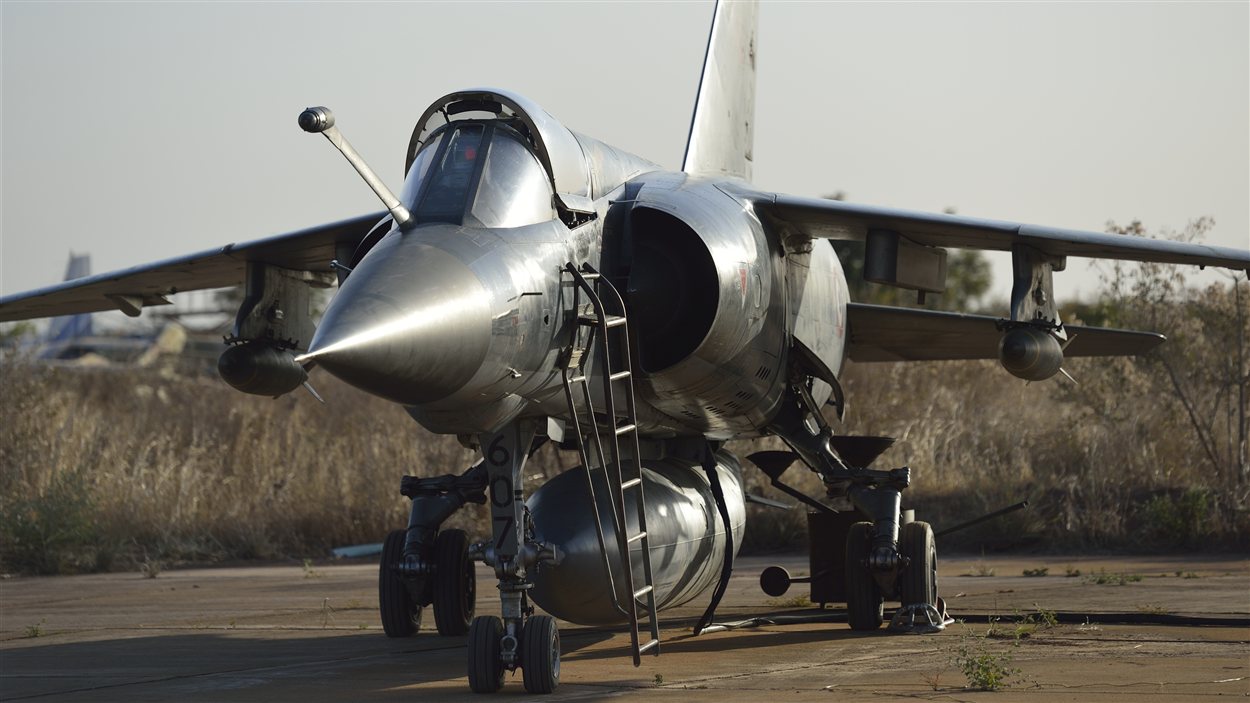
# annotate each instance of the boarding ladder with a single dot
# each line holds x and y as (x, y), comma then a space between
(622, 473)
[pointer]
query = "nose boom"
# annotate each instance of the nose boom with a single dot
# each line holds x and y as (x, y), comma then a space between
(411, 324)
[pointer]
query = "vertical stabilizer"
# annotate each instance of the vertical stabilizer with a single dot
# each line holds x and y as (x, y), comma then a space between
(724, 112)
(65, 329)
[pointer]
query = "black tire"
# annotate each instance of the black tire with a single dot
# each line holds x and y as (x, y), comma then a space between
(540, 654)
(864, 602)
(918, 582)
(485, 668)
(401, 617)
(455, 583)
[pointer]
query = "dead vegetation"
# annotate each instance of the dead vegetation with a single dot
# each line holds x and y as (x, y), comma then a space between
(112, 468)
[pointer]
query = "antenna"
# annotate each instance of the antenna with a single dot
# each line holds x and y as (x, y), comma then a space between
(320, 120)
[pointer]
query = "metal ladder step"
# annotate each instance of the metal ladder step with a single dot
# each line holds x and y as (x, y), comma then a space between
(607, 321)
(622, 471)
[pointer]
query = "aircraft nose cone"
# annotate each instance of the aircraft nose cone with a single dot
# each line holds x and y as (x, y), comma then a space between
(410, 324)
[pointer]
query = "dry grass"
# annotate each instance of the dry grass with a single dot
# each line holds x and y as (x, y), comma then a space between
(112, 468)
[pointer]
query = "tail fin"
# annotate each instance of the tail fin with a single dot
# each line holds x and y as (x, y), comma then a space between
(65, 329)
(721, 131)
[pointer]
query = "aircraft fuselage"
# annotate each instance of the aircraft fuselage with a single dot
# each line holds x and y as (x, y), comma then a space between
(465, 325)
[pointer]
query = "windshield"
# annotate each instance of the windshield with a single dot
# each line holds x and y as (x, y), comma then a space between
(480, 170)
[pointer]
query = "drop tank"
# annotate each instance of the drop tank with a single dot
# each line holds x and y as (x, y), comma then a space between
(686, 532)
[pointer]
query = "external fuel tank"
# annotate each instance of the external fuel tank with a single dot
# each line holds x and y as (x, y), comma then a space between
(686, 532)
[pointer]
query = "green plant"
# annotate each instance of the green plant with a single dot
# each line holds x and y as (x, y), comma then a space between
(980, 569)
(35, 630)
(1042, 617)
(659, 680)
(797, 601)
(151, 568)
(309, 571)
(1039, 571)
(49, 531)
(1102, 578)
(1070, 572)
(1152, 609)
(1180, 519)
(984, 670)
(934, 678)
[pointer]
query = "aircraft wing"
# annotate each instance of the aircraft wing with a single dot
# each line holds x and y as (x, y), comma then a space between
(885, 333)
(831, 219)
(306, 250)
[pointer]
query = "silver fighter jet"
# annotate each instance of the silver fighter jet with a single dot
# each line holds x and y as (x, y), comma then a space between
(532, 284)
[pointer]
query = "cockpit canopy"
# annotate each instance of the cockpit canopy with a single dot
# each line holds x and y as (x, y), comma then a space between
(472, 147)
(478, 172)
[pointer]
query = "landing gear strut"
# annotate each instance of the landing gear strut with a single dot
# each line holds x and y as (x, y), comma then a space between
(883, 560)
(519, 639)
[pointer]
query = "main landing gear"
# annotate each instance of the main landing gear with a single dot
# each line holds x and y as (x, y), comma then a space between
(883, 558)
(424, 565)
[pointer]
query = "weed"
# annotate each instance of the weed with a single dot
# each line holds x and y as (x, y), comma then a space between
(52, 531)
(1102, 578)
(1181, 519)
(980, 569)
(309, 571)
(151, 568)
(1039, 571)
(1191, 575)
(1152, 609)
(1042, 617)
(1070, 572)
(985, 670)
(799, 601)
(658, 680)
(35, 630)
(327, 613)
(934, 678)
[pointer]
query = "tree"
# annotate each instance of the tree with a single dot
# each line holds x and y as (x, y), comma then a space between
(1202, 368)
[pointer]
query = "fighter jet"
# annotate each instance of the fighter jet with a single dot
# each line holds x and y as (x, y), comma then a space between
(531, 284)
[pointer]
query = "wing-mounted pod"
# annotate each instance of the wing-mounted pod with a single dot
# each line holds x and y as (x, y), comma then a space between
(274, 321)
(1034, 338)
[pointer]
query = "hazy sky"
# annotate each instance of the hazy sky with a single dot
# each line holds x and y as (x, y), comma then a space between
(139, 131)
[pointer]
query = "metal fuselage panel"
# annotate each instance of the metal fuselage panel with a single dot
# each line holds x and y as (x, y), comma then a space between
(530, 318)
(727, 387)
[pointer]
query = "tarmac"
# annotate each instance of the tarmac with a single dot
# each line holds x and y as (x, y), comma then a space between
(1162, 628)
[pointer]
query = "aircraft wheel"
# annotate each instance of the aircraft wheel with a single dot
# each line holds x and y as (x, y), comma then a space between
(863, 598)
(455, 583)
(918, 582)
(540, 654)
(485, 669)
(401, 617)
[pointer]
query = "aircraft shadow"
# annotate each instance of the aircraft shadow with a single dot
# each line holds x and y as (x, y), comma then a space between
(242, 664)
